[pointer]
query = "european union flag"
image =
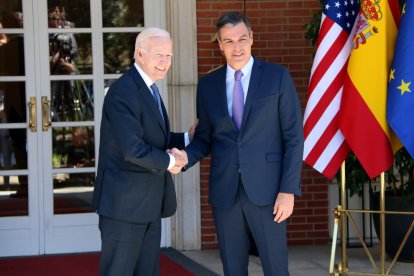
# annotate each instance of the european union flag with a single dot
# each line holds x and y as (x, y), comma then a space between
(400, 100)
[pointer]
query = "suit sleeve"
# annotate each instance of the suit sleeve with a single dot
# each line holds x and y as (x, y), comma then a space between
(200, 146)
(176, 141)
(128, 134)
(292, 135)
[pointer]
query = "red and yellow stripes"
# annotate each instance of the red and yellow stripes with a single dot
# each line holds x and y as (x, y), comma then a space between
(362, 115)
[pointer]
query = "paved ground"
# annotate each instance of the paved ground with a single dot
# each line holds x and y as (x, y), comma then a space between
(306, 261)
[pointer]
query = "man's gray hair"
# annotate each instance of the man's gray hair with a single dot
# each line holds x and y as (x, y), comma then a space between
(147, 33)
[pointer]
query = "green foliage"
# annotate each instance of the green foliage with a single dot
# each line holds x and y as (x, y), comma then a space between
(399, 179)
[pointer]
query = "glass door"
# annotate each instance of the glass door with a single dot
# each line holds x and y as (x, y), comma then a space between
(57, 59)
(67, 131)
(19, 169)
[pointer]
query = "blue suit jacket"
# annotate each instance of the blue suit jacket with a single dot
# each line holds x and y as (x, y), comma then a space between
(132, 182)
(267, 151)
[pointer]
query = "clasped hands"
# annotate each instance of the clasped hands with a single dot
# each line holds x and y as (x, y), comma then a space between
(181, 160)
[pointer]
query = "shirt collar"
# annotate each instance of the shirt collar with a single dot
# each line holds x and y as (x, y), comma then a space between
(246, 69)
(144, 76)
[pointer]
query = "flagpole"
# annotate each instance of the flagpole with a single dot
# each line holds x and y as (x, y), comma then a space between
(382, 223)
(344, 263)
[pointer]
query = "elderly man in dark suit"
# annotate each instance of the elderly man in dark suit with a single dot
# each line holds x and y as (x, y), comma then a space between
(134, 188)
(250, 121)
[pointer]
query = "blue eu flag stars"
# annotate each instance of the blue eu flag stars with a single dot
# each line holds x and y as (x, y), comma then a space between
(400, 99)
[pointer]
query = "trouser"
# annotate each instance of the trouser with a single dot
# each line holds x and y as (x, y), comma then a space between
(233, 226)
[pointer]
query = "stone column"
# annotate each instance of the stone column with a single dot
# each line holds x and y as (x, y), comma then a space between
(182, 84)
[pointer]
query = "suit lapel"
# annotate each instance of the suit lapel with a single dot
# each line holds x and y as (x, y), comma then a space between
(149, 100)
(253, 91)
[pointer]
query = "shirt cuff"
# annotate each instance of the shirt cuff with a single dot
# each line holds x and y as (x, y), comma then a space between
(172, 162)
(186, 139)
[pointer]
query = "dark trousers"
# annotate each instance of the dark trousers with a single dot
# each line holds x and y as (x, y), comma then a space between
(233, 226)
(129, 248)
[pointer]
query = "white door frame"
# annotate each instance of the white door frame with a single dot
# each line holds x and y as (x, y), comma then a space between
(42, 232)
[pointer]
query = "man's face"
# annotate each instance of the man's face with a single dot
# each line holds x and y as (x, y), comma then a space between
(154, 57)
(236, 42)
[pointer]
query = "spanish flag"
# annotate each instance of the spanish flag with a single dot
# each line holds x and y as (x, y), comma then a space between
(362, 114)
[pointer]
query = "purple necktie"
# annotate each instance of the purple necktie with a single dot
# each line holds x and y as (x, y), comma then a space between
(238, 99)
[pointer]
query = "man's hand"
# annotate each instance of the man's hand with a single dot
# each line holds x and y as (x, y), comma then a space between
(192, 130)
(180, 160)
(180, 157)
(175, 170)
(283, 206)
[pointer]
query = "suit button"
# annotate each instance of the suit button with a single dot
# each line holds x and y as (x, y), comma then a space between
(240, 144)
(154, 170)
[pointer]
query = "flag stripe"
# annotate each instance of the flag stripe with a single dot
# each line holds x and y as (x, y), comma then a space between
(325, 100)
(376, 157)
(362, 116)
(322, 141)
(336, 160)
(326, 25)
(327, 62)
(325, 147)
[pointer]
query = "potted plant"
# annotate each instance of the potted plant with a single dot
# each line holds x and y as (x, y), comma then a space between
(399, 196)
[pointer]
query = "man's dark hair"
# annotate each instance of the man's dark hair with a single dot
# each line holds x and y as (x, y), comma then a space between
(232, 18)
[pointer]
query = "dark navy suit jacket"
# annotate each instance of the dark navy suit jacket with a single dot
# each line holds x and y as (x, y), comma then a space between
(267, 151)
(132, 182)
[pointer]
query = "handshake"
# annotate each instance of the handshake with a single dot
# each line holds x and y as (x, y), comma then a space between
(181, 160)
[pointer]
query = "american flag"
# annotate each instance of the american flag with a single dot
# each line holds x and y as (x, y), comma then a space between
(325, 146)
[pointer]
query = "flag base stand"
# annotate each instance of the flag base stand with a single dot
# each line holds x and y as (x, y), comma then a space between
(341, 213)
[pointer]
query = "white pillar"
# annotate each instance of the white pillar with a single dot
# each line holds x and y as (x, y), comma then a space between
(182, 84)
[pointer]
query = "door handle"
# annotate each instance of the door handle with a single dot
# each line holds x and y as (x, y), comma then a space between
(46, 117)
(32, 114)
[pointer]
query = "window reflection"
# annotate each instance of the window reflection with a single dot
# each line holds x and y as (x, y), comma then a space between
(13, 102)
(70, 54)
(11, 45)
(122, 13)
(107, 85)
(72, 193)
(119, 51)
(11, 15)
(12, 201)
(72, 100)
(73, 147)
(69, 13)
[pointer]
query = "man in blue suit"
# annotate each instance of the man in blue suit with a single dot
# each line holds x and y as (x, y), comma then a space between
(256, 142)
(134, 188)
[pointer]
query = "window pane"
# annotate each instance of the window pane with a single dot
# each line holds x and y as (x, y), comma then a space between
(123, 13)
(13, 198)
(13, 102)
(72, 193)
(69, 14)
(11, 15)
(12, 55)
(107, 84)
(73, 147)
(70, 54)
(119, 51)
(72, 100)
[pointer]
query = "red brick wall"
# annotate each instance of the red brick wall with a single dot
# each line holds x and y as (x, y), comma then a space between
(279, 37)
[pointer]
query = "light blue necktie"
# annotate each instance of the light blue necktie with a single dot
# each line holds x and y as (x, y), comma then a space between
(238, 99)
(157, 98)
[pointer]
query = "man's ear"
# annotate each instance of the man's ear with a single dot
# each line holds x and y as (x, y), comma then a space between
(138, 54)
(220, 45)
